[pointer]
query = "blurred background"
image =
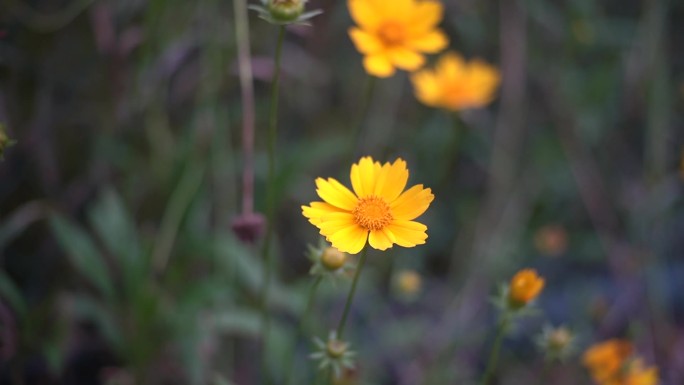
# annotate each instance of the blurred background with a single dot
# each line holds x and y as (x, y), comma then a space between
(119, 263)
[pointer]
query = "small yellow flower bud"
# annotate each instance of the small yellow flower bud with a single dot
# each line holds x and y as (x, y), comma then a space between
(525, 286)
(333, 259)
(336, 348)
(286, 10)
(408, 282)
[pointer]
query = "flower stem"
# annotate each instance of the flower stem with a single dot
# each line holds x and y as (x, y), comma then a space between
(303, 325)
(350, 296)
(369, 90)
(494, 355)
(270, 204)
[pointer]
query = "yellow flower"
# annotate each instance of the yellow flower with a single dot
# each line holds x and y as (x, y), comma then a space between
(605, 360)
(639, 374)
(377, 211)
(456, 85)
(408, 282)
(525, 286)
(395, 34)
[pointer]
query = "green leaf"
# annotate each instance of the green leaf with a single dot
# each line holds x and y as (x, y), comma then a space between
(82, 254)
(118, 232)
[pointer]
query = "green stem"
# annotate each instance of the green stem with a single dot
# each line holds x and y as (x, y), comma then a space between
(356, 127)
(270, 208)
(350, 296)
(494, 355)
(303, 325)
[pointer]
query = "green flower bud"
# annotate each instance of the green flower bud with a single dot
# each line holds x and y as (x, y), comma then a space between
(286, 11)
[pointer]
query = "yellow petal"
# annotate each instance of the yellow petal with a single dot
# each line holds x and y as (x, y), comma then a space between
(349, 240)
(392, 180)
(451, 67)
(334, 193)
(395, 10)
(427, 87)
(426, 15)
(316, 210)
(407, 233)
(364, 13)
(365, 42)
(412, 203)
(363, 176)
(431, 42)
(378, 65)
(405, 58)
(379, 239)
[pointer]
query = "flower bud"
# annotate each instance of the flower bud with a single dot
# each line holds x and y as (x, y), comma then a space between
(524, 287)
(333, 259)
(336, 348)
(408, 282)
(285, 10)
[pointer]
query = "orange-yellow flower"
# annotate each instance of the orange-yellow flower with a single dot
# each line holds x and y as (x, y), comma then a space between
(455, 84)
(379, 211)
(525, 286)
(638, 374)
(605, 360)
(395, 34)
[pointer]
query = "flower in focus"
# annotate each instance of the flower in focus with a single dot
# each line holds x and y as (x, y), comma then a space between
(524, 287)
(379, 211)
(455, 84)
(605, 360)
(395, 34)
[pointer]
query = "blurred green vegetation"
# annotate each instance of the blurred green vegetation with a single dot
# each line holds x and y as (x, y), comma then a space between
(116, 202)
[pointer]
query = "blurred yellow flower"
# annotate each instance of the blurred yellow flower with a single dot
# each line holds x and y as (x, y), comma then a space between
(605, 360)
(395, 34)
(455, 84)
(638, 374)
(408, 282)
(377, 211)
(525, 286)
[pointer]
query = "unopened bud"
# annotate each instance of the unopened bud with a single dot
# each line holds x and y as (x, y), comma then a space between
(286, 10)
(333, 259)
(336, 348)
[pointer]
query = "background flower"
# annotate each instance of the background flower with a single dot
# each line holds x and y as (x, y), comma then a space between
(395, 34)
(455, 84)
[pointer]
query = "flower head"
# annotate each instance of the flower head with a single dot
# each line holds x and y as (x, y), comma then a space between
(281, 12)
(556, 343)
(455, 84)
(525, 286)
(334, 354)
(377, 212)
(605, 360)
(395, 34)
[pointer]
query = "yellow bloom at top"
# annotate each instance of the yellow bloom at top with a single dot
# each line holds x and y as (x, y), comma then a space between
(605, 360)
(396, 33)
(455, 84)
(378, 211)
(525, 286)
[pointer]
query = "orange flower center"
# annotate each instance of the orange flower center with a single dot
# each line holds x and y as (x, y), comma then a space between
(392, 33)
(372, 213)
